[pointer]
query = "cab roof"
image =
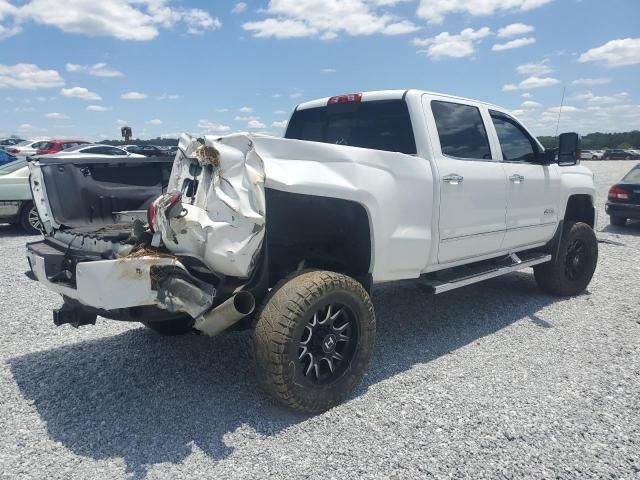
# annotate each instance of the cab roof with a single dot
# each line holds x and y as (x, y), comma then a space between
(388, 95)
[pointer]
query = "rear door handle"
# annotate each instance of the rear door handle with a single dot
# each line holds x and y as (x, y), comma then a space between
(516, 178)
(453, 179)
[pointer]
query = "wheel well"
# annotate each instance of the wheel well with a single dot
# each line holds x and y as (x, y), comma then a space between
(308, 231)
(580, 209)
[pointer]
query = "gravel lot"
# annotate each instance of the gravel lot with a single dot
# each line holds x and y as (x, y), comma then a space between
(495, 380)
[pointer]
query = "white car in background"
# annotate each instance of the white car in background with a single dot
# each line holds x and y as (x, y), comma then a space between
(26, 148)
(591, 154)
(93, 151)
(16, 204)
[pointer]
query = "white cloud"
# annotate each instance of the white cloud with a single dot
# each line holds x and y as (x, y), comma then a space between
(615, 53)
(155, 121)
(80, 92)
(121, 122)
(27, 76)
(133, 96)
(207, 126)
(98, 108)
(514, 29)
(328, 70)
(280, 112)
(454, 46)
(121, 19)
(434, 11)
(527, 95)
(170, 96)
(295, 95)
(531, 82)
(246, 110)
(276, 95)
(239, 7)
(517, 43)
(601, 99)
(282, 124)
(198, 21)
(222, 110)
(97, 70)
(531, 104)
(539, 68)
(255, 124)
(565, 109)
(56, 116)
(25, 127)
(327, 19)
(591, 81)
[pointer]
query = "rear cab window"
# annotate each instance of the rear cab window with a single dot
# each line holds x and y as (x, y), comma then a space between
(461, 130)
(377, 124)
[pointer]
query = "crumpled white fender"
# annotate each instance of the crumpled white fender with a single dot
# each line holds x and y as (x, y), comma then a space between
(224, 222)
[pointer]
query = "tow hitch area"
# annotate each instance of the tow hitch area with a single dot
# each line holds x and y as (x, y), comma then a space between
(73, 314)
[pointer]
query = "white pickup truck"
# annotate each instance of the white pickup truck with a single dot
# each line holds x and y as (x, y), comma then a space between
(286, 236)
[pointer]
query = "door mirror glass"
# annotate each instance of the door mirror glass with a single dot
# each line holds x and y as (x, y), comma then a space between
(568, 145)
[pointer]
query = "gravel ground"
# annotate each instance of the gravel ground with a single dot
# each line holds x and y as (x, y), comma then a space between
(496, 380)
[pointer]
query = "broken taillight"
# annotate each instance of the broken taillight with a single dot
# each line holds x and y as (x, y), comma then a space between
(164, 203)
(349, 98)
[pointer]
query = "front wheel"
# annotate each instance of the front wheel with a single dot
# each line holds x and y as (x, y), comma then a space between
(627, 157)
(570, 272)
(312, 340)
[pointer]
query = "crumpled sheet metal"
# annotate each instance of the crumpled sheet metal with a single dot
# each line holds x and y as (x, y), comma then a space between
(224, 222)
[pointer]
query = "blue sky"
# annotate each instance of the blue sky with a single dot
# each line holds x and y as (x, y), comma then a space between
(82, 67)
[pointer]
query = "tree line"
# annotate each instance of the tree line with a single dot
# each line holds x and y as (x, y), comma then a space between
(600, 141)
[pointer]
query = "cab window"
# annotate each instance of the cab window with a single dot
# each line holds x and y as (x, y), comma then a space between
(515, 143)
(461, 130)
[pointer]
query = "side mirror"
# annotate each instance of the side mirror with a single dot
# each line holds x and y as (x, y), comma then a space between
(568, 146)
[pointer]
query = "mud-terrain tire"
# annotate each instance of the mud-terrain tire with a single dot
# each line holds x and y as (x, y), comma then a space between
(171, 328)
(570, 272)
(312, 340)
(618, 221)
(29, 219)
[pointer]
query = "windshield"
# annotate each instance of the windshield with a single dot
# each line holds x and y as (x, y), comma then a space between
(379, 125)
(12, 166)
(633, 176)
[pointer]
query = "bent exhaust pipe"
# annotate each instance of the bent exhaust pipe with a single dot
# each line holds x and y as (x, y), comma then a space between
(226, 314)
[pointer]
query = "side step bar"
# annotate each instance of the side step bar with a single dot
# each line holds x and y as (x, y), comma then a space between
(440, 286)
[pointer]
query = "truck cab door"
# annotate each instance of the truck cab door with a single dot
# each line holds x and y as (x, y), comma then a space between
(472, 184)
(533, 188)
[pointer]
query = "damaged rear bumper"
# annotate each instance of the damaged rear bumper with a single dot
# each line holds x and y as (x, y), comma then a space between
(120, 288)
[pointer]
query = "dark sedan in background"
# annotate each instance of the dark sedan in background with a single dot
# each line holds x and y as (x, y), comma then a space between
(146, 150)
(624, 198)
(619, 154)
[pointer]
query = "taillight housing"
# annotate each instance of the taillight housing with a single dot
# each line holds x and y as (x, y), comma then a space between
(13, 151)
(617, 193)
(349, 98)
(164, 204)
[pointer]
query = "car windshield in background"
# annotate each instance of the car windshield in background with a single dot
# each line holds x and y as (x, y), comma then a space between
(12, 166)
(633, 176)
(379, 125)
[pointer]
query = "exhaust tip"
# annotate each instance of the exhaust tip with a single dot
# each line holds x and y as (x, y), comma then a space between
(244, 302)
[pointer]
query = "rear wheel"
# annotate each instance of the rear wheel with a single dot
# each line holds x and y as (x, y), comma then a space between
(617, 221)
(570, 272)
(313, 339)
(29, 219)
(171, 328)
